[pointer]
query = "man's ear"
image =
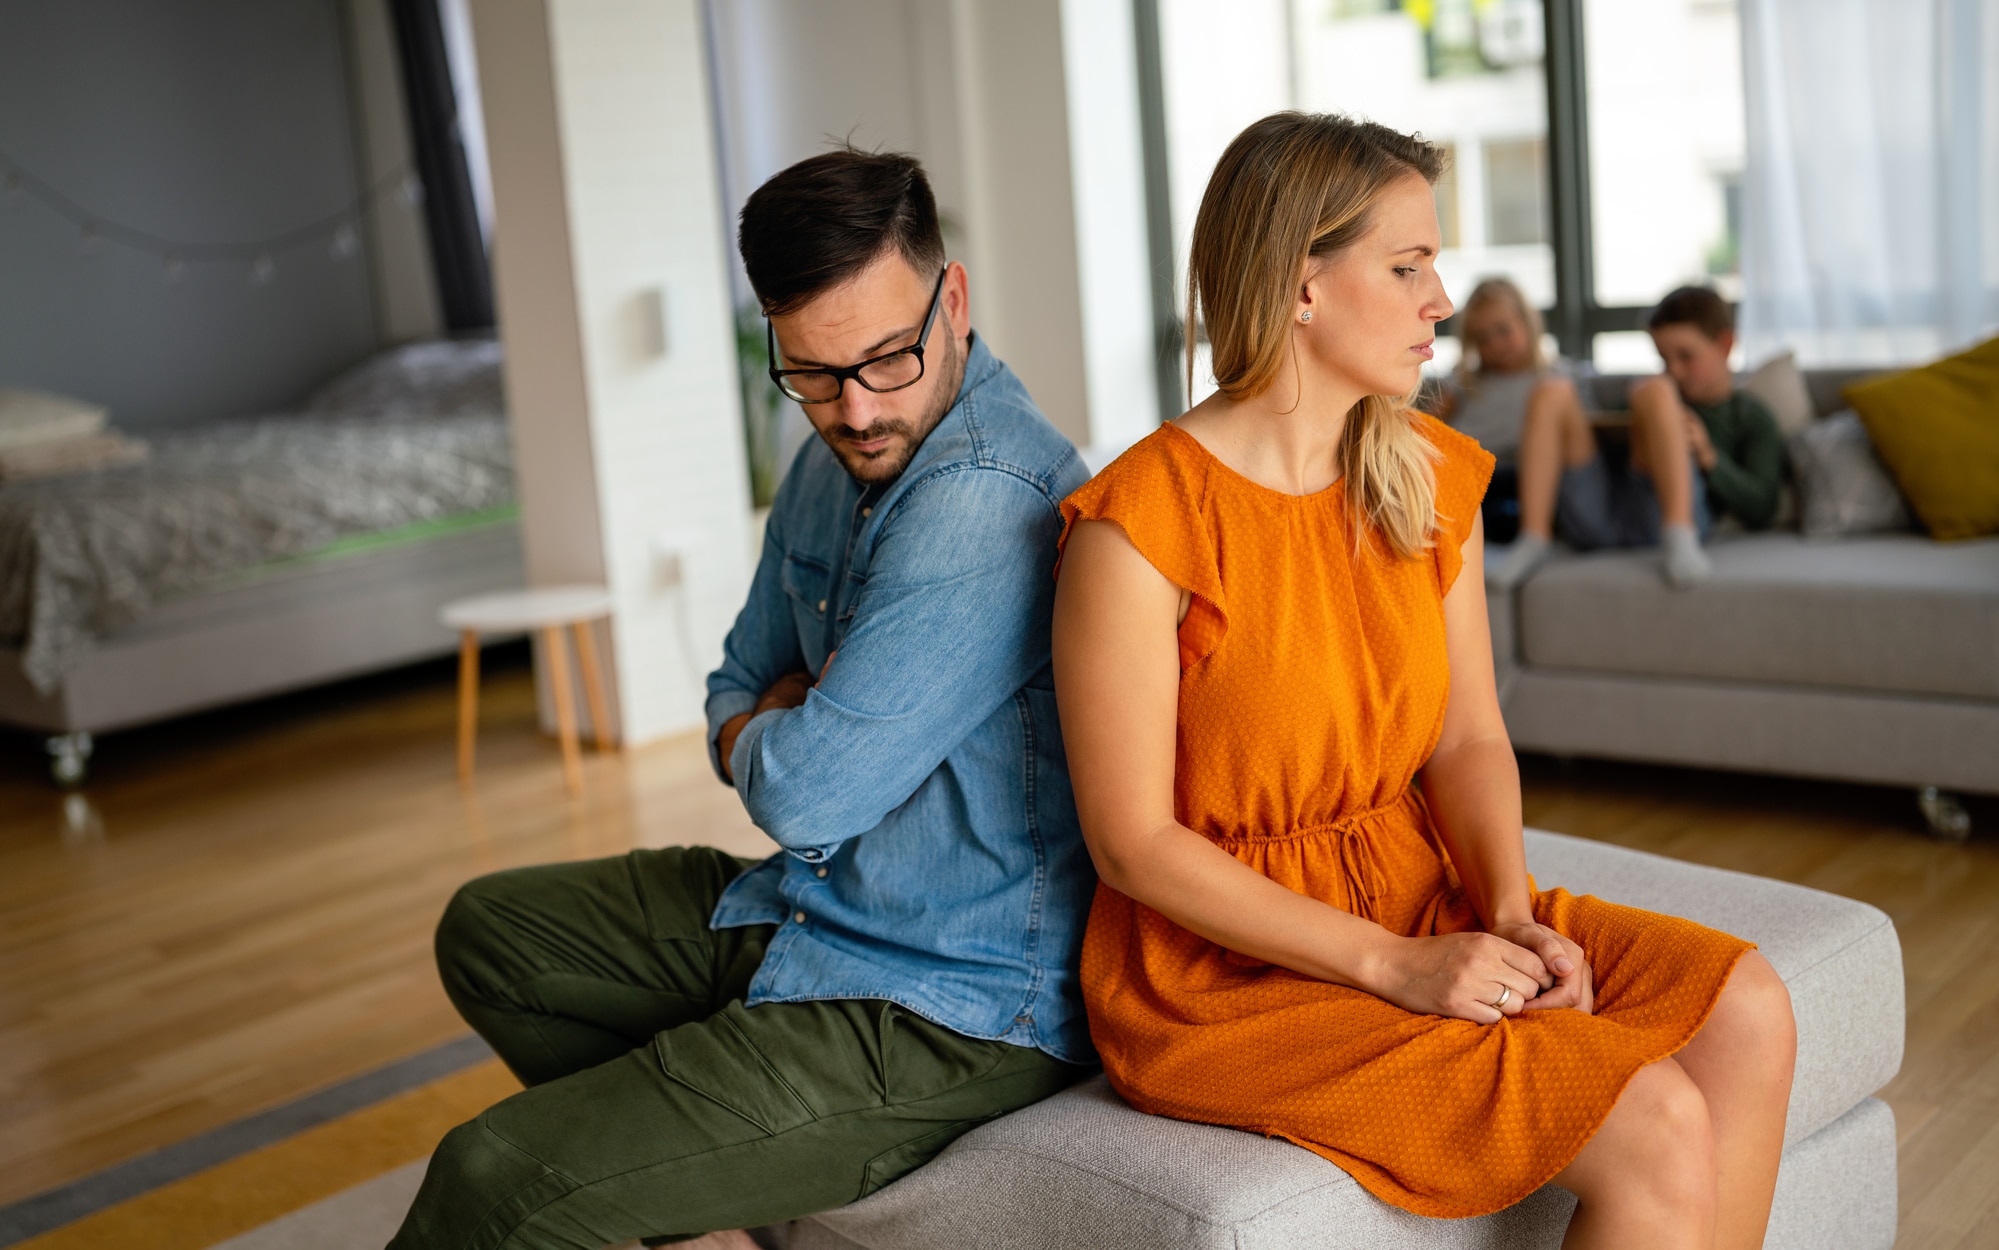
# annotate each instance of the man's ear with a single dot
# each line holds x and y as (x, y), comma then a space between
(1726, 342)
(958, 299)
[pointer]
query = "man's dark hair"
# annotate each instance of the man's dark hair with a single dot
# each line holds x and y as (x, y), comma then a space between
(820, 222)
(1696, 306)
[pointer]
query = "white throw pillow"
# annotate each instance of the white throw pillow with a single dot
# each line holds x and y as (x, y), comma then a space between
(30, 418)
(1782, 389)
(1843, 487)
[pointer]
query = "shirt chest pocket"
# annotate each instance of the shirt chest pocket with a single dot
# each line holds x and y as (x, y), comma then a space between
(807, 583)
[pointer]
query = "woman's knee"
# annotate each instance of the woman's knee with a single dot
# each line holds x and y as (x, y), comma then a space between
(1680, 1140)
(1553, 393)
(1655, 1150)
(1754, 1013)
(1552, 402)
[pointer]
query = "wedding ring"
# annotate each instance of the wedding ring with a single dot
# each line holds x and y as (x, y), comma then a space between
(1505, 997)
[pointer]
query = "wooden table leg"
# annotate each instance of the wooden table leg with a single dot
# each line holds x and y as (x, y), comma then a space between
(468, 701)
(557, 657)
(593, 684)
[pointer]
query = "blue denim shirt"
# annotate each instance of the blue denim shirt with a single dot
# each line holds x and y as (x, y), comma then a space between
(932, 855)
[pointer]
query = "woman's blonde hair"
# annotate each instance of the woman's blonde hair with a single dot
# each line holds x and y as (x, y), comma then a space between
(1291, 187)
(1484, 296)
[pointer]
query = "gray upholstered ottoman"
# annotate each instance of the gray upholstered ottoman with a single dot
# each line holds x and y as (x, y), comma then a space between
(1084, 1170)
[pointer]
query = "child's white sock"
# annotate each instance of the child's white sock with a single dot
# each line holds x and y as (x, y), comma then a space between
(1686, 564)
(1523, 557)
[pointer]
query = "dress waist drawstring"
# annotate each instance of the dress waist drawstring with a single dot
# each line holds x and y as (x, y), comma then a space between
(1364, 878)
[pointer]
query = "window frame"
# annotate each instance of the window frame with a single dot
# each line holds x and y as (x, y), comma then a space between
(1576, 318)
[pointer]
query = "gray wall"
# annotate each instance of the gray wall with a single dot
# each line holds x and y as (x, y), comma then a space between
(202, 120)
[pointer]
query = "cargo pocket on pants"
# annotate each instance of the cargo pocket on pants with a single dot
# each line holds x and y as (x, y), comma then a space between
(896, 1162)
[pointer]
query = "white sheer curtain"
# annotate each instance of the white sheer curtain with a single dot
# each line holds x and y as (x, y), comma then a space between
(1871, 188)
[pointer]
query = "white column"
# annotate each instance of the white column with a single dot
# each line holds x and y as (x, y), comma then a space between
(1025, 113)
(613, 298)
(1047, 134)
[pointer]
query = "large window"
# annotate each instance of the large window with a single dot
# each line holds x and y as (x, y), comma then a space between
(1664, 88)
(1466, 76)
(1596, 145)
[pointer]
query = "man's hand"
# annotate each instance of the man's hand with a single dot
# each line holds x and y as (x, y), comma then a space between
(1700, 444)
(786, 692)
(1575, 984)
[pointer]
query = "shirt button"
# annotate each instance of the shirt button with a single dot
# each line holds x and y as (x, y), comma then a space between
(799, 917)
(867, 512)
(822, 605)
(820, 873)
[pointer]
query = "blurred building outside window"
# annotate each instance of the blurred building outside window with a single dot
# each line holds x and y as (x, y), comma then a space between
(1664, 125)
(1666, 139)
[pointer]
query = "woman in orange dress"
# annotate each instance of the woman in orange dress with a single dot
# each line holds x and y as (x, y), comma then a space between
(1263, 639)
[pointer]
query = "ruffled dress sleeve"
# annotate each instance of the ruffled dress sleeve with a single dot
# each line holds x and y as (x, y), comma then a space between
(1463, 471)
(1157, 493)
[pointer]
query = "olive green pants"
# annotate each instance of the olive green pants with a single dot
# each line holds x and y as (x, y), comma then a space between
(658, 1106)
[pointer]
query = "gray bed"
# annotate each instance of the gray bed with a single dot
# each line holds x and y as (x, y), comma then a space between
(252, 556)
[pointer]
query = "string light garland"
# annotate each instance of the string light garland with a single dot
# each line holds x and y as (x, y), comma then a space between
(337, 232)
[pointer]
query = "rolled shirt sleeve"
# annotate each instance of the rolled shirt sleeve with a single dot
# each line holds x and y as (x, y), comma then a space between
(949, 625)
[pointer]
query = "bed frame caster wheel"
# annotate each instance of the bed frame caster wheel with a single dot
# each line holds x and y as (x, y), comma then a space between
(69, 759)
(1943, 813)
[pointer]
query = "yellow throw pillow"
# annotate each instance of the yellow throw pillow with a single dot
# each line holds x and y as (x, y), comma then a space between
(1937, 430)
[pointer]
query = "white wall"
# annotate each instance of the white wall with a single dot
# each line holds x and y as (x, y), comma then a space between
(628, 432)
(222, 123)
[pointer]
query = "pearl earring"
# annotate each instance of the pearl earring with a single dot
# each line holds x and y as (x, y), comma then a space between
(1306, 315)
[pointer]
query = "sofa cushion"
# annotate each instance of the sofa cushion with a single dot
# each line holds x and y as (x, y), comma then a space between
(1894, 612)
(1937, 428)
(1781, 387)
(1084, 1169)
(1843, 488)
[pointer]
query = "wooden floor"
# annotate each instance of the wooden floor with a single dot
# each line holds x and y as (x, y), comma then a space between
(239, 912)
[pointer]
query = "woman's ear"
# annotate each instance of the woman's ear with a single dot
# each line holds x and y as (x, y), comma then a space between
(1308, 295)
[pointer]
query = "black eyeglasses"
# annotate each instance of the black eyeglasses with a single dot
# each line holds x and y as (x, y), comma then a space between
(890, 371)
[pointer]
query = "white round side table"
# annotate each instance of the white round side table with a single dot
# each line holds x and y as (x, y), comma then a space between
(547, 611)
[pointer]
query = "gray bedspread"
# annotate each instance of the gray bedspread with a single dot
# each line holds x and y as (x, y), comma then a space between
(81, 556)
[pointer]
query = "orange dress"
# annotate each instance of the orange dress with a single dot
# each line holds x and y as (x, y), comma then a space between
(1312, 690)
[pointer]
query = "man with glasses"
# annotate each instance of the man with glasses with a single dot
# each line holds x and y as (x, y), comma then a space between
(712, 1043)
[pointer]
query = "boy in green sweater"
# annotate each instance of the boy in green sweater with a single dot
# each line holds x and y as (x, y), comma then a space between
(1698, 447)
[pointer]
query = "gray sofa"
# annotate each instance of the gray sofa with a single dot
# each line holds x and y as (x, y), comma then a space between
(1871, 658)
(1084, 1170)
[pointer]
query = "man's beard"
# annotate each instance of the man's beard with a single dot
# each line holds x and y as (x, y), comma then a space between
(887, 464)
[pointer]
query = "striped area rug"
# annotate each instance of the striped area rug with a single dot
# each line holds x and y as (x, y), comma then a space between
(333, 1171)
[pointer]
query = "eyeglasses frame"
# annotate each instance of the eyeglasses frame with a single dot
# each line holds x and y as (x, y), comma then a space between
(842, 374)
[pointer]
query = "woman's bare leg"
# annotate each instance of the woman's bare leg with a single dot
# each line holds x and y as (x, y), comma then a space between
(1646, 1181)
(1555, 436)
(1659, 447)
(1741, 1061)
